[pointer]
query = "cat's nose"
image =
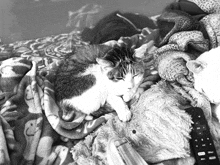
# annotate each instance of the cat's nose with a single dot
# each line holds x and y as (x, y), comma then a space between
(130, 85)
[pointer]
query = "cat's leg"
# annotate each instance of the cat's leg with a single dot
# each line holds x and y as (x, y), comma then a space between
(89, 117)
(135, 91)
(120, 107)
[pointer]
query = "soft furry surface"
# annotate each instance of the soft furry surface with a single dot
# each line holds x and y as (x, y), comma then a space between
(159, 129)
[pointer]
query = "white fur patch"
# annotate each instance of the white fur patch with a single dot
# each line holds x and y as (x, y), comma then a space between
(92, 99)
(207, 81)
(206, 71)
(95, 97)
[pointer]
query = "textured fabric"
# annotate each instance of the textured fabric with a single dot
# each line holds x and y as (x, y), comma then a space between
(157, 117)
(31, 131)
(173, 21)
(190, 7)
(29, 120)
(209, 6)
(212, 23)
(186, 39)
(31, 126)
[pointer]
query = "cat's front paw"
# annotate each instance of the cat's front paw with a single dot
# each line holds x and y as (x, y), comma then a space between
(125, 116)
(127, 97)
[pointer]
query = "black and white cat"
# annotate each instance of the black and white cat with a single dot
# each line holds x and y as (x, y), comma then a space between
(97, 74)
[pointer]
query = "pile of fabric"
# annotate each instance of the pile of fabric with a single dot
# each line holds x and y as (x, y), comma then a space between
(159, 132)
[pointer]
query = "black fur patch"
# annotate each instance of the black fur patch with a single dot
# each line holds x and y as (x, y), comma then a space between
(68, 81)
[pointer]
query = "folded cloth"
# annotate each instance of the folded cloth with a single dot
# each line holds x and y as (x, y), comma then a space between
(173, 21)
(27, 136)
(208, 6)
(211, 23)
(12, 71)
(189, 7)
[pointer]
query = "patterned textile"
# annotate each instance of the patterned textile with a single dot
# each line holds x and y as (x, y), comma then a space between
(178, 21)
(31, 130)
(212, 23)
(43, 50)
(184, 39)
(30, 123)
(187, 34)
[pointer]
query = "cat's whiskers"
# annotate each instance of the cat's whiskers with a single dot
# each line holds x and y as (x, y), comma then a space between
(86, 85)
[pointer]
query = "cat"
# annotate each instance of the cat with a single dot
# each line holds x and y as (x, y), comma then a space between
(206, 73)
(97, 75)
(115, 25)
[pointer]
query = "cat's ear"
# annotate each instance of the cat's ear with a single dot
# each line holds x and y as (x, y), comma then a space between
(195, 66)
(104, 63)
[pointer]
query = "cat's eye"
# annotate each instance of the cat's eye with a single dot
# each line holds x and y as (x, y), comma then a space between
(202, 91)
(120, 78)
(110, 75)
(134, 131)
(135, 75)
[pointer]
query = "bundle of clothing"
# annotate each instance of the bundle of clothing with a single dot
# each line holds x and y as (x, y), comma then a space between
(161, 129)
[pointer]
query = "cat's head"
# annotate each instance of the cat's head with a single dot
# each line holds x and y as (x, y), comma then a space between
(206, 71)
(123, 69)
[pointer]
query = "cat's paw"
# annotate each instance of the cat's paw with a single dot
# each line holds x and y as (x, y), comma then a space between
(127, 97)
(125, 116)
(89, 118)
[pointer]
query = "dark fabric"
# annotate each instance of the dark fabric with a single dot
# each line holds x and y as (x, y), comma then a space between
(116, 25)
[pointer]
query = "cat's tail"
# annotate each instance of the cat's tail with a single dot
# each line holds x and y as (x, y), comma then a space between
(70, 118)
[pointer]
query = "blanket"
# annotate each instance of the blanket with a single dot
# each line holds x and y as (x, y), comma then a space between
(27, 136)
(31, 129)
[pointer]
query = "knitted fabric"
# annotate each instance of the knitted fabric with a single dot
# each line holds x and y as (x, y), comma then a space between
(211, 23)
(209, 6)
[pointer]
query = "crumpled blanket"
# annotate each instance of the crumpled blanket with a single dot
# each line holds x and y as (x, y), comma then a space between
(30, 127)
(183, 35)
